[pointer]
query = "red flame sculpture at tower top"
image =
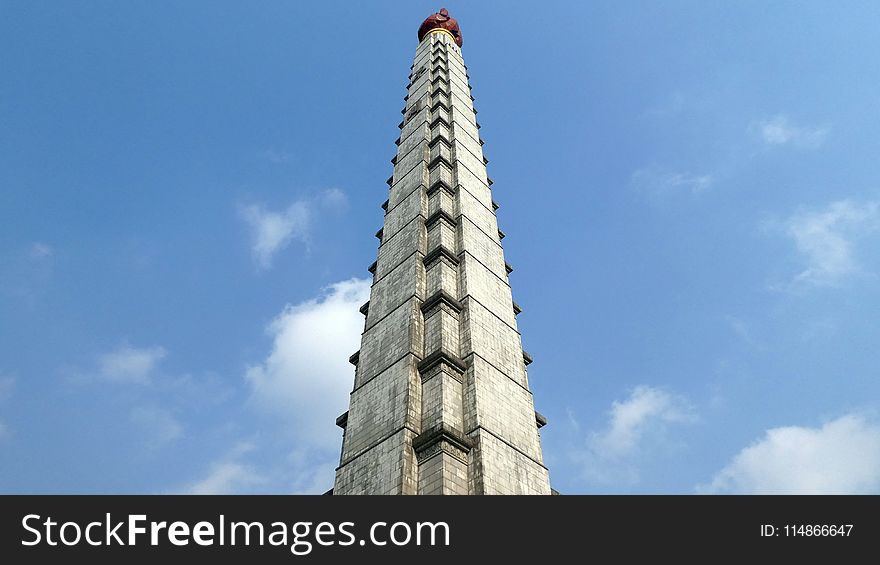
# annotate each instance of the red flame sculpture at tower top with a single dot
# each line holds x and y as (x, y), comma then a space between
(441, 20)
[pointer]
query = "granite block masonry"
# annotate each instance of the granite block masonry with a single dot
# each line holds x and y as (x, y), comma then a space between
(441, 401)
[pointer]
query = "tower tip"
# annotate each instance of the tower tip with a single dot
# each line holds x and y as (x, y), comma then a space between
(441, 21)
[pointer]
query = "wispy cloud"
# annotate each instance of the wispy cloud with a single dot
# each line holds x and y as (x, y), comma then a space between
(242, 471)
(26, 272)
(278, 156)
(7, 384)
(779, 130)
(657, 184)
(840, 457)
(130, 365)
(825, 239)
(741, 329)
(333, 199)
(158, 425)
(231, 474)
(272, 231)
(636, 427)
(310, 474)
(631, 420)
(40, 250)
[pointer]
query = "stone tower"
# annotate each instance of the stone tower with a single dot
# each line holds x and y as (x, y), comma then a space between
(441, 401)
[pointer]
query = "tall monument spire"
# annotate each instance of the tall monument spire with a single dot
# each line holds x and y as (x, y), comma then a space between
(441, 401)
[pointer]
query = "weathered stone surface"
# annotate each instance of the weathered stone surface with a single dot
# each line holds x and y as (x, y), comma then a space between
(502, 406)
(481, 246)
(398, 334)
(409, 239)
(441, 403)
(490, 290)
(486, 335)
(400, 285)
(496, 468)
(406, 208)
(478, 214)
(382, 406)
(389, 467)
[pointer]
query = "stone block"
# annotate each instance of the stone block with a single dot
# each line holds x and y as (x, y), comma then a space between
(495, 402)
(490, 290)
(484, 334)
(397, 335)
(388, 468)
(383, 405)
(398, 286)
(484, 248)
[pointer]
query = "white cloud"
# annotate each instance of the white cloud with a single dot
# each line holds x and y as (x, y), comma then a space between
(306, 378)
(240, 471)
(300, 388)
(639, 430)
(334, 199)
(129, 364)
(226, 477)
(659, 184)
(40, 250)
(841, 457)
(825, 238)
(158, 425)
(273, 231)
(646, 410)
(229, 475)
(780, 131)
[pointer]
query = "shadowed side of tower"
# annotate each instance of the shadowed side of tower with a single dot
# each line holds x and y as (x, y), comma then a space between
(441, 402)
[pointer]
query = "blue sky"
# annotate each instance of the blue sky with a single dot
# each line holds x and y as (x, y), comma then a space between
(690, 193)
